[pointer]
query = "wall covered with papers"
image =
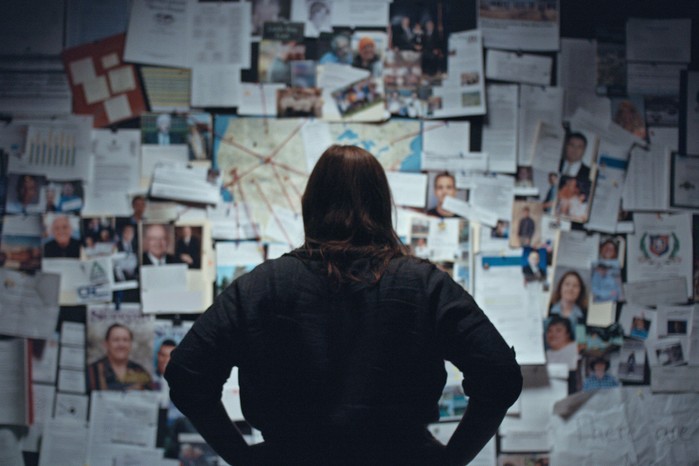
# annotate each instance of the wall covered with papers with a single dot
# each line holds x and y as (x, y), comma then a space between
(544, 152)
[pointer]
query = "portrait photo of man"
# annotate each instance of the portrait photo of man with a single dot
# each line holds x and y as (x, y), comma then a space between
(63, 236)
(526, 221)
(572, 164)
(115, 370)
(188, 246)
(443, 185)
(157, 247)
(164, 129)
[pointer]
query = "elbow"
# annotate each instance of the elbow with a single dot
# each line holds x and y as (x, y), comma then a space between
(513, 388)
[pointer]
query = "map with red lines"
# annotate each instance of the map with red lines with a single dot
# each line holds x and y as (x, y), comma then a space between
(266, 162)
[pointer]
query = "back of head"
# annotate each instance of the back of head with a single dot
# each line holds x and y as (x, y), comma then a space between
(347, 211)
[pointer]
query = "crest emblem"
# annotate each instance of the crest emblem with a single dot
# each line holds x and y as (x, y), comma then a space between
(659, 244)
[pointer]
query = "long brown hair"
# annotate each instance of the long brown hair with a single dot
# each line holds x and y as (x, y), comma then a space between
(347, 213)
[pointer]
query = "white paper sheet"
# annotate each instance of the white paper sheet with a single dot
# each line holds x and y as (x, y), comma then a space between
(461, 97)
(660, 247)
(536, 103)
(60, 149)
(258, 99)
(526, 26)
(447, 139)
(522, 68)
(514, 308)
(408, 189)
(531, 431)
(162, 290)
(215, 86)
(656, 291)
(647, 184)
(115, 172)
(158, 33)
(500, 128)
(64, 443)
(28, 304)
(219, 33)
(658, 40)
(612, 162)
(123, 418)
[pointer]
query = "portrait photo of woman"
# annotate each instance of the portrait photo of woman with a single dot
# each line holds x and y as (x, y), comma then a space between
(569, 298)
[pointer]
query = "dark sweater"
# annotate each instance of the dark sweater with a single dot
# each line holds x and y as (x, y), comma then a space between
(342, 376)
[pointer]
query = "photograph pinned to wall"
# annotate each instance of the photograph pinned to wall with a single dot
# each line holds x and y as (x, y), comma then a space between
(579, 155)
(668, 352)
(264, 11)
(158, 244)
(598, 373)
(65, 196)
(531, 25)
(234, 259)
(461, 273)
(611, 63)
(632, 361)
(534, 264)
(358, 96)
(606, 282)
(303, 73)
(119, 348)
(62, 237)
(199, 135)
(335, 47)
(281, 44)
(26, 194)
(602, 339)
(573, 199)
(369, 49)
(166, 337)
(546, 184)
(501, 229)
(570, 297)
(164, 129)
(317, 16)
(299, 102)
(99, 236)
(662, 111)
(684, 181)
(559, 342)
(628, 112)
(612, 249)
(637, 321)
(524, 181)
(125, 259)
(443, 184)
(20, 243)
(188, 245)
(526, 218)
(440, 239)
(402, 79)
(420, 27)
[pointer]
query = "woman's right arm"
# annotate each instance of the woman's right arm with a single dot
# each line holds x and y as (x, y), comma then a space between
(492, 377)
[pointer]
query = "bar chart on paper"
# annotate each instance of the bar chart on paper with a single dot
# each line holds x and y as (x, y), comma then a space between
(60, 152)
(50, 147)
